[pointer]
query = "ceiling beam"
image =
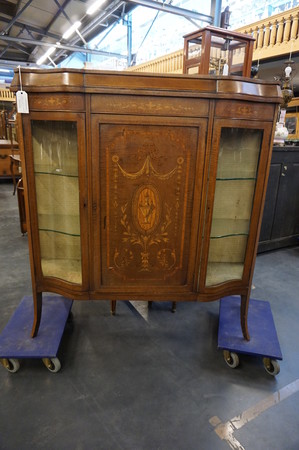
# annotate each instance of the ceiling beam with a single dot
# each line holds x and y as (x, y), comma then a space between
(16, 17)
(16, 46)
(173, 10)
(7, 8)
(13, 45)
(32, 28)
(61, 8)
(5, 63)
(52, 21)
(101, 16)
(96, 23)
(72, 48)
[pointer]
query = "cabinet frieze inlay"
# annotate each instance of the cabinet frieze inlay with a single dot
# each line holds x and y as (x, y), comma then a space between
(150, 219)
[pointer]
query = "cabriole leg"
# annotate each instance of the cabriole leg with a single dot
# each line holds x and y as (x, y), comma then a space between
(244, 315)
(37, 305)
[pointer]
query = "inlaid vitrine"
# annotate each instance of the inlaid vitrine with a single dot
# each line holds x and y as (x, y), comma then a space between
(218, 51)
(144, 187)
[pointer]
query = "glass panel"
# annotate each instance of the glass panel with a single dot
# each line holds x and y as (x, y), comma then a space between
(239, 152)
(194, 48)
(237, 59)
(226, 56)
(55, 153)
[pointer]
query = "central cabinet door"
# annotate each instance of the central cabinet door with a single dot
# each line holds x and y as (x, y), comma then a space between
(148, 203)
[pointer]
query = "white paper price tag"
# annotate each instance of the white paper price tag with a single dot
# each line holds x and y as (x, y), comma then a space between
(22, 102)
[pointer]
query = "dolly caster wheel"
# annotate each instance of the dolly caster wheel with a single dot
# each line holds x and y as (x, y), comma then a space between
(231, 359)
(52, 364)
(10, 364)
(271, 366)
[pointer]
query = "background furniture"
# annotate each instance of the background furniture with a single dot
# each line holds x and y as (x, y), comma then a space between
(292, 124)
(3, 129)
(6, 149)
(143, 186)
(280, 225)
(15, 169)
(10, 162)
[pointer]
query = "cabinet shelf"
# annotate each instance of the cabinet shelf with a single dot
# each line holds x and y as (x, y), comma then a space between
(56, 174)
(226, 227)
(61, 223)
(229, 235)
(58, 231)
(235, 178)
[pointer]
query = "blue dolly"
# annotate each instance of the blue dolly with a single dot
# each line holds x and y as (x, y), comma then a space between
(263, 337)
(16, 342)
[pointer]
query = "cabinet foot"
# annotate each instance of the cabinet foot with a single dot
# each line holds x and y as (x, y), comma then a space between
(113, 307)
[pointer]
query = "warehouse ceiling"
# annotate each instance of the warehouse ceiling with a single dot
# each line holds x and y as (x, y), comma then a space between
(29, 28)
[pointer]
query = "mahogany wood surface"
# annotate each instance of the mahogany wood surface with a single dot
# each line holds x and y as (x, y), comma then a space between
(148, 148)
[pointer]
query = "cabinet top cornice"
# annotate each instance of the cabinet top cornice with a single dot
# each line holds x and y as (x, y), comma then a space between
(92, 81)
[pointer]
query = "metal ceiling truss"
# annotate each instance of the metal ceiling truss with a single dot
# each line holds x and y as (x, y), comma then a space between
(5, 31)
(91, 27)
(31, 28)
(162, 6)
(72, 48)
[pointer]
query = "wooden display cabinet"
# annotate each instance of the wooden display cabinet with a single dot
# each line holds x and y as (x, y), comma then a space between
(280, 224)
(144, 187)
(217, 51)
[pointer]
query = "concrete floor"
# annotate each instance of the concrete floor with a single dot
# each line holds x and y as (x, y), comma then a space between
(159, 382)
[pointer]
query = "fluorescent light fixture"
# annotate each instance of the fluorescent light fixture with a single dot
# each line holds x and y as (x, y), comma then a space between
(94, 7)
(45, 56)
(71, 30)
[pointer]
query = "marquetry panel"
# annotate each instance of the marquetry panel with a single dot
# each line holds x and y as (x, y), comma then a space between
(146, 202)
(56, 102)
(156, 106)
(245, 110)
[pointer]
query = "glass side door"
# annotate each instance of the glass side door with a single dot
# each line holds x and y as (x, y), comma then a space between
(58, 180)
(238, 165)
